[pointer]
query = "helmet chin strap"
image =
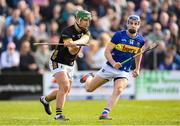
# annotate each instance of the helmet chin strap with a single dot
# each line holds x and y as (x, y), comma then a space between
(83, 29)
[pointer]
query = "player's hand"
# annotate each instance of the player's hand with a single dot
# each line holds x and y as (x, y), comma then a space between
(135, 73)
(69, 43)
(117, 65)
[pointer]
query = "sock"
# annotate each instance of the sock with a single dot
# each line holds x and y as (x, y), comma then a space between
(47, 99)
(58, 111)
(106, 111)
(44, 100)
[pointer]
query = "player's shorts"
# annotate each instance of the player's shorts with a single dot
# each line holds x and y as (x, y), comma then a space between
(110, 73)
(58, 67)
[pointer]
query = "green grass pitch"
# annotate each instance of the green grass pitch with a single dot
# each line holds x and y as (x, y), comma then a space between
(126, 112)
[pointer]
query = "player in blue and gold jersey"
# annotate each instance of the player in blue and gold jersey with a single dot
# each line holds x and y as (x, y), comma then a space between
(124, 44)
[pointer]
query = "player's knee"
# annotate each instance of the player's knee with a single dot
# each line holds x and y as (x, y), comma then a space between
(66, 88)
(120, 90)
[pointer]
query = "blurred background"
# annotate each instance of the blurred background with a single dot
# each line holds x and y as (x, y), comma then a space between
(24, 71)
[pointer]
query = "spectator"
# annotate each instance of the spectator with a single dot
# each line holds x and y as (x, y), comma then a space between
(96, 28)
(41, 32)
(164, 6)
(31, 21)
(42, 56)
(98, 58)
(156, 34)
(71, 20)
(2, 28)
(67, 11)
(17, 21)
(36, 12)
(153, 59)
(10, 59)
(130, 8)
(175, 8)
(168, 63)
(107, 19)
(28, 36)
(22, 6)
(145, 9)
(53, 32)
(10, 37)
(27, 61)
(176, 59)
(3, 8)
(174, 29)
(164, 20)
(118, 5)
(93, 48)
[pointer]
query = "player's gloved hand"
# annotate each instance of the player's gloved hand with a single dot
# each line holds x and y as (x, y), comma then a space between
(135, 72)
(117, 65)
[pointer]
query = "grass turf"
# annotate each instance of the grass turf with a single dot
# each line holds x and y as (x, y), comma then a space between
(126, 112)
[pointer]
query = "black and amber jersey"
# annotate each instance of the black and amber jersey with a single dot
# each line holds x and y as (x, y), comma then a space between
(61, 53)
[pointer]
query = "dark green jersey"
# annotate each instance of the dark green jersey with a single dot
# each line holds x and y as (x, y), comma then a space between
(61, 53)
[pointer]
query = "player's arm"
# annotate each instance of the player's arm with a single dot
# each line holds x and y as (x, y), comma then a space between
(137, 64)
(110, 46)
(67, 40)
(83, 40)
(139, 58)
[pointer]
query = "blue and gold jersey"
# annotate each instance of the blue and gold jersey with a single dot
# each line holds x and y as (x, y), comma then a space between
(125, 47)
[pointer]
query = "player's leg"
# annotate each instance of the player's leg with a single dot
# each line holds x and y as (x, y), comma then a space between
(119, 85)
(46, 99)
(64, 84)
(52, 95)
(93, 83)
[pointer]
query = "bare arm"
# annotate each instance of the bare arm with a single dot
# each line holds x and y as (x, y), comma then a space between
(71, 45)
(83, 40)
(135, 73)
(109, 57)
(138, 61)
(108, 54)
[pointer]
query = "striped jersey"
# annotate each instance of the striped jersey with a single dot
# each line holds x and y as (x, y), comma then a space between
(125, 47)
(61, 54)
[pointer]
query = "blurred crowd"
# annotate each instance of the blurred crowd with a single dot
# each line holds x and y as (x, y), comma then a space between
(24, 22)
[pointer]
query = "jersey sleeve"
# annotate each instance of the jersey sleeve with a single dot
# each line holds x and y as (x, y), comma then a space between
(142, 42)
(116, 38)
(66, 36)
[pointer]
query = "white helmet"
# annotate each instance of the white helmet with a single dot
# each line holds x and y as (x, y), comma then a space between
(134, 18)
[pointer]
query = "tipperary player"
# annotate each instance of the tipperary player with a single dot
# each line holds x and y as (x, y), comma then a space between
(124, 44)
